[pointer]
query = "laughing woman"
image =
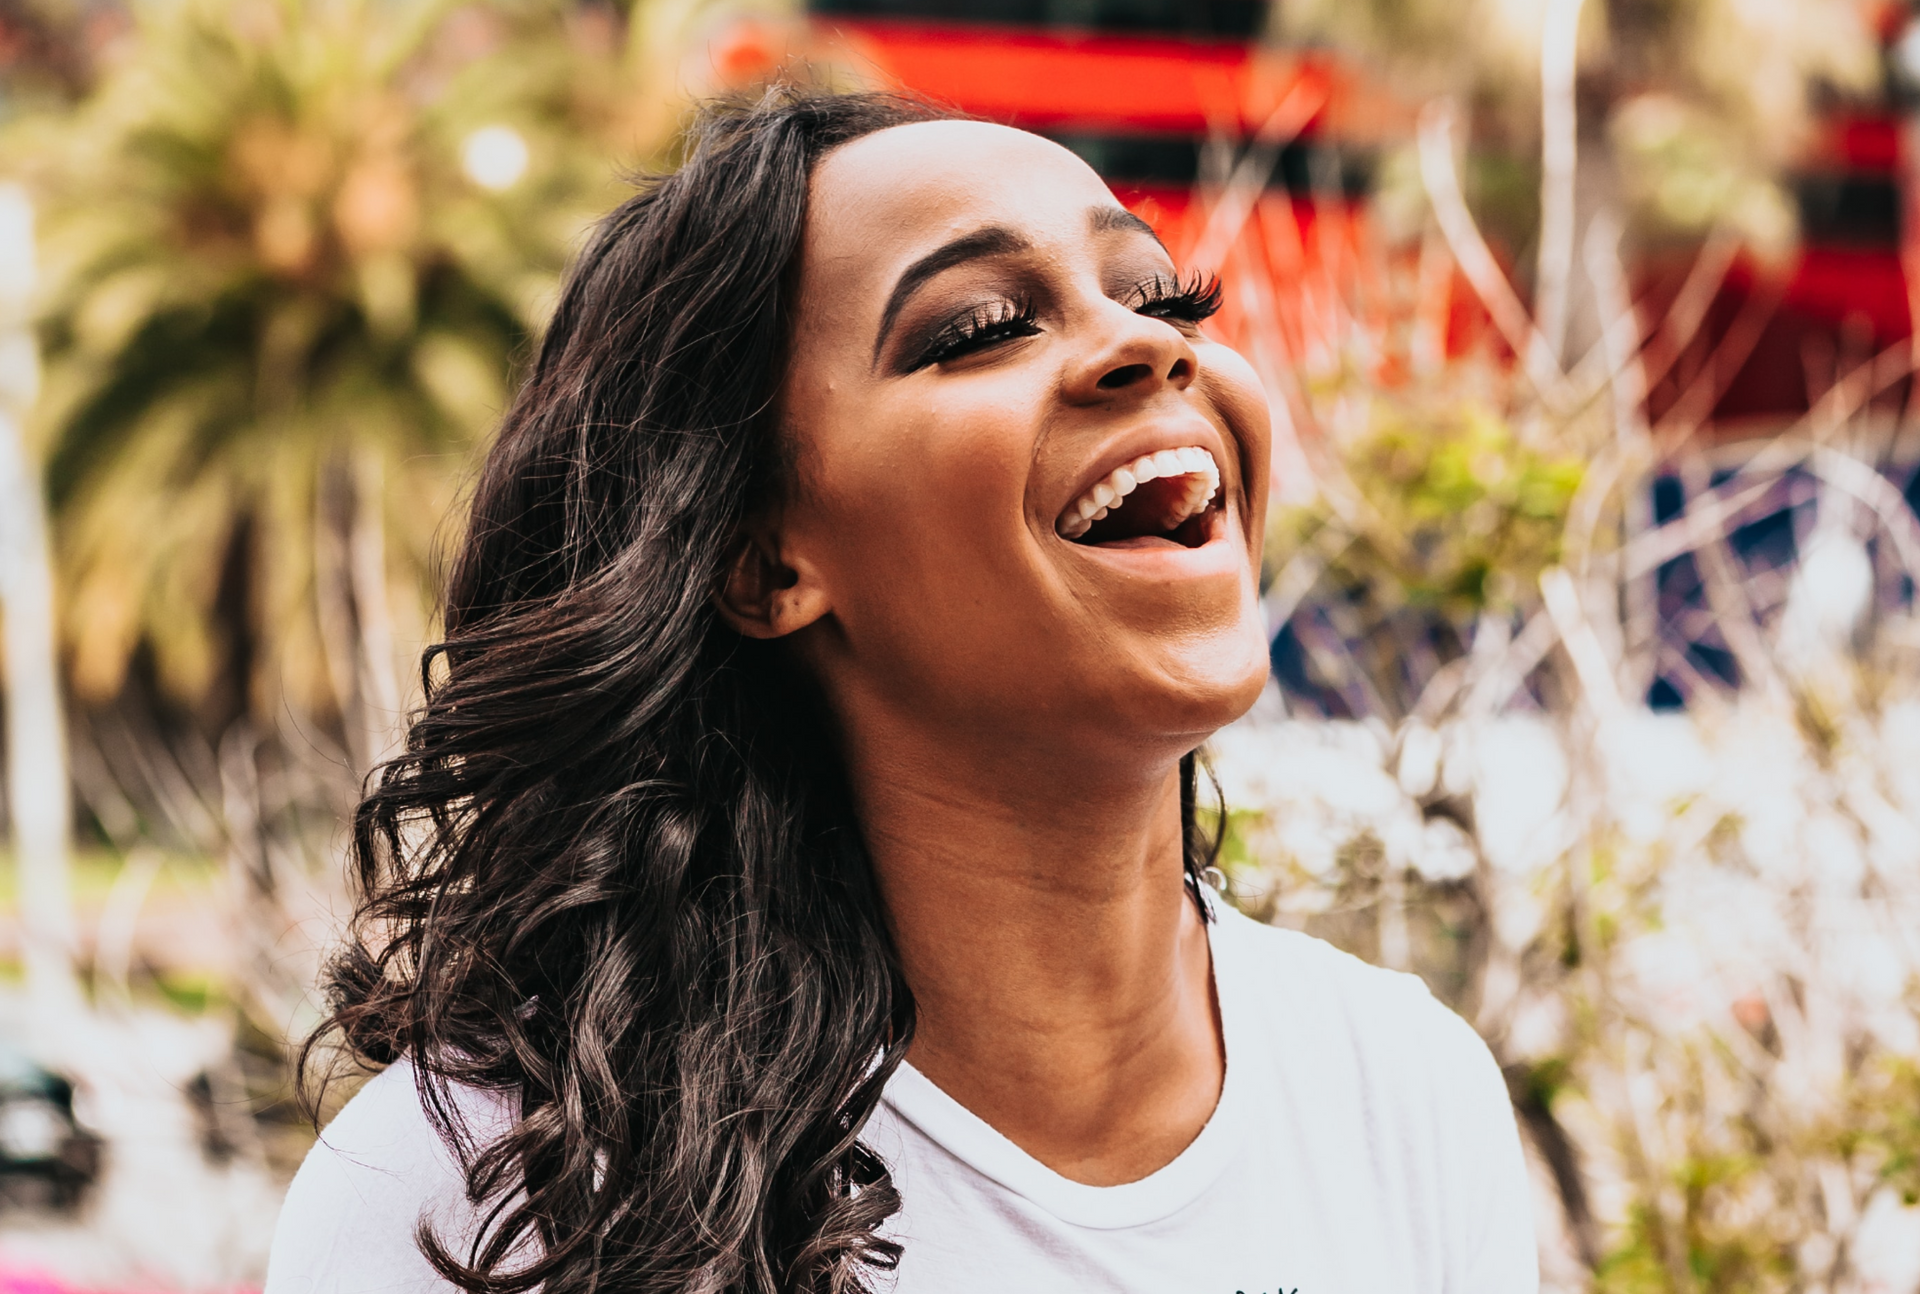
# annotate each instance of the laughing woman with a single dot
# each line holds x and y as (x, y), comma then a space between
(792, 883)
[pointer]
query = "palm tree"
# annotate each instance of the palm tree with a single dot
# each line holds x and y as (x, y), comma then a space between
(294, 249)
(291, 252)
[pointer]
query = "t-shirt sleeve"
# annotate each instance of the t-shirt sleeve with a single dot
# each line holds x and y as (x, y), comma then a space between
(349, 1222)
(1491, 1244)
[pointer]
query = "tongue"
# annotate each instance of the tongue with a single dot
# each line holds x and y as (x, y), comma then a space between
(1139, 541)
(1142, 519)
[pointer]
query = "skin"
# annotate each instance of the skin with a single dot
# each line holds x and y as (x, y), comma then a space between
(1014, 706)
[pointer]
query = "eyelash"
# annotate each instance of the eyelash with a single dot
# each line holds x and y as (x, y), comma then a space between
(1190, 301)
(980, 327)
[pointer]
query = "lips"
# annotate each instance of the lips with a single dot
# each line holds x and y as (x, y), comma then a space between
(1164, 495)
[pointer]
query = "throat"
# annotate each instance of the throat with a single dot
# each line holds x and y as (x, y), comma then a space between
(1060, 970)
(1099, 1102)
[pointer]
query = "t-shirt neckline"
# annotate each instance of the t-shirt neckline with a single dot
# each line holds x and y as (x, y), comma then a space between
(1160, 1194)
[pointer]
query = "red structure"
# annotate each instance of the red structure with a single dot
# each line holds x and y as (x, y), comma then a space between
(1140, 104)
(1846, 296)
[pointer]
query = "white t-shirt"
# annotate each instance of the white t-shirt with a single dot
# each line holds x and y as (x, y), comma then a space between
(1363, 1144)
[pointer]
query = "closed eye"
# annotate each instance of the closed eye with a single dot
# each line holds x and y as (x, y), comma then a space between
(983, 326)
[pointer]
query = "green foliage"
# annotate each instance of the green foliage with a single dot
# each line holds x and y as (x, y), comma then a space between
(1236, 828)
(1886, 1125)
(1683, 170)
(292, 250)
(1457, 514)
(1646, 1261)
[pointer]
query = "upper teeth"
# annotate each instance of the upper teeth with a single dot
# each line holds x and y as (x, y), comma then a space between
(1192, 462)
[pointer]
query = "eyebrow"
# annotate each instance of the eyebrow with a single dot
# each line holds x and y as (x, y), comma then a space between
(994, 240)
(1105, 219)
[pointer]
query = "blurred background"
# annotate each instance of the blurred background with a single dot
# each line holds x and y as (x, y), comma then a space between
(1595, 700)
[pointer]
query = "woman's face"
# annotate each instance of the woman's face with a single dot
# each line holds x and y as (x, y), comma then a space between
(988, 350)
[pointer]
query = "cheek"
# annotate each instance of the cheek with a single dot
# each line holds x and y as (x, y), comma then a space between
(920, 509)
(946, 597)
(1236, 391)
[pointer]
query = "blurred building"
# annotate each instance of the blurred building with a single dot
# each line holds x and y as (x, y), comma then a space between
(1154, 94)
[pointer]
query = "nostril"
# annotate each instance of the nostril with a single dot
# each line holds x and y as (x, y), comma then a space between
(1125, 375)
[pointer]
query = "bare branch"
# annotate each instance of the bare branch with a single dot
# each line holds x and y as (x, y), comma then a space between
(1442, 180)
(1251, 173)
(1559, 131)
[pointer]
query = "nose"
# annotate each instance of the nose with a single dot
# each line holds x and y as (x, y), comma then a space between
(1132, 356)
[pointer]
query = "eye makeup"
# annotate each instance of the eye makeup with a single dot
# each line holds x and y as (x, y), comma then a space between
(980, 327)
(1184, 302)
(1191, 300)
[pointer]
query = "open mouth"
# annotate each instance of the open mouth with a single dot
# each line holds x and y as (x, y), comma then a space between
(1158, 499)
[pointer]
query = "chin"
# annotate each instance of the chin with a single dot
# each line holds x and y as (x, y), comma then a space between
(1195, 694)
(1229, 699)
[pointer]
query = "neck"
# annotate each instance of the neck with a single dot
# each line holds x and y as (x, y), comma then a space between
(1060, 971)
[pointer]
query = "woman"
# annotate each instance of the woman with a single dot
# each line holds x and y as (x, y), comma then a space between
(792, 881)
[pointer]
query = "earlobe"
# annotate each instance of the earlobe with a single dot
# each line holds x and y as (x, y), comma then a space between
(764, 596)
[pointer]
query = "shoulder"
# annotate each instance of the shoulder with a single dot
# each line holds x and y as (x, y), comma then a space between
(378, 1171)
(1394, 1074)
(1246, 947)
(1307, 992)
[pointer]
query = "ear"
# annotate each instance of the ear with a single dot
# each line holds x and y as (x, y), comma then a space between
(766, 594)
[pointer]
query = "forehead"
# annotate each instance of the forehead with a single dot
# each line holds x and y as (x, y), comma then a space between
(879, 199)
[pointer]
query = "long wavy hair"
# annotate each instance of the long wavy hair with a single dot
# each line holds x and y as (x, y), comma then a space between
(616, 874)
